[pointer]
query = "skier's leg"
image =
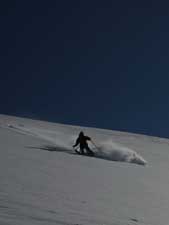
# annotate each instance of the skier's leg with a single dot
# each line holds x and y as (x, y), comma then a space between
(82, 150)
(88, 150)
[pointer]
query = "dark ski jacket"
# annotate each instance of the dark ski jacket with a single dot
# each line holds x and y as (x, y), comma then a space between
(82, 140)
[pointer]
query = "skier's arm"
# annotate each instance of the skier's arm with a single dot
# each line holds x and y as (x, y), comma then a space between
(88, 138)
(77, 142)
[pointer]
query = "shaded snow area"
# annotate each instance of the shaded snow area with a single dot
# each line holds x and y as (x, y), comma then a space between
(43, 181)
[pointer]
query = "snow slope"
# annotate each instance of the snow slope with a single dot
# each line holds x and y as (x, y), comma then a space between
(44, 182)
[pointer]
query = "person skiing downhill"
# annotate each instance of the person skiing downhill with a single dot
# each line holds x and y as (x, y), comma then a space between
(82, 141)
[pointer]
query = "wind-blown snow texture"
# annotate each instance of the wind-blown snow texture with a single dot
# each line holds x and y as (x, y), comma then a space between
(44, 182)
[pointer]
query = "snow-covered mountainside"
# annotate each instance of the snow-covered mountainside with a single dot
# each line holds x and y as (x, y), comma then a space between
(43, 181)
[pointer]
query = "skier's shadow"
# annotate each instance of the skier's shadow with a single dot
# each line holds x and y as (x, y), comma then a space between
(51, 148)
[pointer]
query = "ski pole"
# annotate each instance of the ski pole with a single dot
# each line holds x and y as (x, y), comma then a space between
(95, 145)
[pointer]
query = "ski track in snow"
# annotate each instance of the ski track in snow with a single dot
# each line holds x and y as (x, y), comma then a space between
(106, 149)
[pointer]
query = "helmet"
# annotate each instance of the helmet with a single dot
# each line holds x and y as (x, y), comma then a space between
(81, 134)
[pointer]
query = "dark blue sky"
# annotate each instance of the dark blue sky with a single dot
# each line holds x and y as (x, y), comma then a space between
(92, 63)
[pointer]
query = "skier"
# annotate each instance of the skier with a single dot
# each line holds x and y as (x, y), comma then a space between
(82, 141)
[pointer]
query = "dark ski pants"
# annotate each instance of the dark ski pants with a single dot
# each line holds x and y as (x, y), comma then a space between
(86, 147)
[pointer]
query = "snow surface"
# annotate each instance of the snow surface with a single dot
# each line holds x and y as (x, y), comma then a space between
(44, 182)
